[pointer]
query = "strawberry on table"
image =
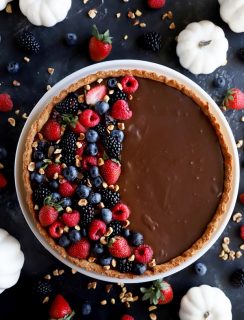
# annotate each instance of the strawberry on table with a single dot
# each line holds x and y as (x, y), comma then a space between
(3, 181)
(234, 99)
(60, 309)
(6, 103)
(242, 232)
(100, 45)
(160, 292)
(110, 171)
(156, 4)
(127, 317)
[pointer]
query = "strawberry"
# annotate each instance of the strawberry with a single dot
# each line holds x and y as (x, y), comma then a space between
(79, 151)
(120, 110)
(143, 253)
(6, 103)
(97, 229)
(79, 249)
(110, 171)
(73, 123)
(159, 293)
(78, 128)
(119, 247)
(66, 189)
(120, 212)
(127, 317)
(156, 4)
(234, 99)
(71, 219)
(47, 215)
(242, 232)
(52, 130)
(89, 118)
(52, 169)
(60, 309)
(100, 45)
(129, 84)
(88, 162)
(56, 229)
(95, 94)
(3, 181)
(241, 198)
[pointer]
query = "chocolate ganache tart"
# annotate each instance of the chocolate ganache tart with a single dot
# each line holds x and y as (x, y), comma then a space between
(127, 173)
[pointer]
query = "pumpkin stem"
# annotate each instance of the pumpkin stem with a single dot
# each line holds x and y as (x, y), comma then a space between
(204, 43)
(206, 315)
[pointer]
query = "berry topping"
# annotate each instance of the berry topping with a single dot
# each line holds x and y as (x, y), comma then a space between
(88, 162)
(139, 268)
(92, 149)
(64, 241)
(53, 169)
(200, 268)
(69, 105)
(159, 293)
(97, 229)
(237, 278)
(117, 228)
(71, 219)
(52, 130)
(110, 198)
(6, 103)
(136, 239)
(47, 215)
(117, 95)
(112, 83)
(70, 173)
(68, 142)
(91, 136)
(87, 214)
(110, 171)
(120, 212)
(27, 42)
(95, 94)
(101, 107)
(119, 247)
(79, 249)
(40, 194)
(156, 4)
(113, 147)
(100, 45)
(89, 118)
(83, 191)
(74, 235)
(120, 110)
(143, 253)
(94, 197)
(234, 99)
(152, 41)
(124, 265)
(106, 215)
(118, 134)
(129, 84)
(56, 229)
(66, 189)
(127, 317)
(60, 309)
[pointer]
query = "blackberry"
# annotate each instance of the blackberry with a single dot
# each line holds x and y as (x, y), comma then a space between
(68, 158)
(69, 105)
(87, 214)
(124, 265)
(113, 147)
(43, 288)
(101, 130)
(237, 278)
(117, 228)
(152, 41)
(68, 142)
(28, 42)
(117, 95)
(110, 198)
(40, 194)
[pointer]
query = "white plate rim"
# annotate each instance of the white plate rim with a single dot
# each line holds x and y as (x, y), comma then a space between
(127, 64)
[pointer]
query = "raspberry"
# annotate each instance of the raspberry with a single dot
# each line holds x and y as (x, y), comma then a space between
(52, 169)
(89, 118)
(71, 219)
(52, 130)
(241, 198)
(156, 4)
(66, 189)
(127, 317)
(129, 84)
(119, 247)
(47, 215)
(6, 103)
(79, 249)
(120, 110)
(121, 212)
(97, 229)
(56, 229)
(242, 232)
(3, 181)
(143, 253)
(88, 162)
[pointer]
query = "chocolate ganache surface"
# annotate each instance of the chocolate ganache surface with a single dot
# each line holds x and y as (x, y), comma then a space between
(172, 169)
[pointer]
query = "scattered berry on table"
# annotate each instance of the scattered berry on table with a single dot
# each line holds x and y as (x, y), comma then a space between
(200, 268)
(242, 232)
(47, 215)
(234, 99)
(79, 249)
(89, 118)
(97, 229)
(219, 82)
(70, 173)
(69, 105)
(74, 235)
(13, 67)
(117, 228)
(120, 212)
(241, 53)
(124, 265)
(129, 84)
(86, 308)
(110, 198)
(3, 153)
(101, 107)
(136, 239)
(156, 4)
(60, 308)
(71, 39)
(120, 110)
(56, 229)
(64, 241)
(151, 41)
(113, 147)
(106, 215)
(28, 42)
(160, 292)
(119, 247)
(143, 253)
(52, 130)
(118, 134)
(110, 171)
(6, 103)
(71, 219)
(43, 288)
(237, 278)
(100, 45)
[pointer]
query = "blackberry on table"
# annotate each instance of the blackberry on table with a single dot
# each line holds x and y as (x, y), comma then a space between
(40, 194)
(117, 95)
(152, 41)
(237, 278)
(113, 147)
(117, 228)
(69, 105)
(43, 288)
(124, 265)
(87, 214)
(28, 42)
(110, 198)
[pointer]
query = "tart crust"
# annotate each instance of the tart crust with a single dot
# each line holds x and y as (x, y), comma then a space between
(211, 227)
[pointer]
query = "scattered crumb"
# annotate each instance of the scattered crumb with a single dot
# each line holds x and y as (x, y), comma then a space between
(47, 277)
(85, 1)
(138, 13)
(118, 15)
(172, 26)
(237, 217)
(92, 285)
(142, 25)
(1, 165)
(153, 316)
(73, 271)
(12, 122)
(167, 15)
(242, 119)
(239, 143)
(24, 116)
(92, 13)
(103, 302)
(16, 83)
(50, 70)
(8, 8)
(112, 301)
(48, 87)
(108, 287)
(151, 308)
(131, 15)
(26, 59)
(125, 37)
(45, 300)
(17, 111)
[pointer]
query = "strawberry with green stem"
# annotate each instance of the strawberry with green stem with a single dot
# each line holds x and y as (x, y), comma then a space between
(160, 292)
(100, 45)
(60, 309)
(234, 99)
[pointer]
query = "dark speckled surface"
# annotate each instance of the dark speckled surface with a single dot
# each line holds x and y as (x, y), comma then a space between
(18, 302)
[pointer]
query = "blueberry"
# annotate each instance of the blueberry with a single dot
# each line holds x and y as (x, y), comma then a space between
(64, 241)
(71, 39)
(112, 83)
(39, 164)
(66, 202)
(136, 239)
(101, 107)
(54, 184)
(118, 134)
(83, 232)
(98, 248)
(37, 177)
(3, 153)
(94, 198)
(91, 149)
(13, 67)
(91, 135)
(219, 82)
(70, 173)
(94, 172)
(139, 268)
(74, 235)
(83, 191)
(38, 155)
(105, 261)
(42, 145)
(97, 182)
(85, 308)
(200, 269)
(56, 197)
(126, 233)
(106, 215)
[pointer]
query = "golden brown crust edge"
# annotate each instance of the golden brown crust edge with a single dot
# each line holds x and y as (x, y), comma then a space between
(212, 226)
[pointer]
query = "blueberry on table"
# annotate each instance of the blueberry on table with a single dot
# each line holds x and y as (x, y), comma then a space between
(3, 153)
(219, 82)
(200, 269)
(13, 67)
(71, 39)
(86, 308)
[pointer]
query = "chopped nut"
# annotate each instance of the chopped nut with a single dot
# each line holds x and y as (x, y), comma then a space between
(1, 165)
(87, 87)
(152, 263)
(99, 80)
(57, 151)
(45, 300)
(118, 15)
(48, 277)
(106, 267)
(48, 87)
(41, 171)
(172, 26)
(114, 263)
(92, 13)
(119, 85)
(125, 37)
(226, 248)
(111, 127)
(85, 1)
(127, 304)
(103, 240)
(92, 285)
(82, 136)
(132, 257)
(153, 316)
(108, 287)
(112, 301)
(136, 22)
(8, 8)
(60, 272)
(17, 111)
(242, 247)
(111, 91)
(81, 98)
(226, 240)
(167, 15)
(16, 83)
(82, 202)
(73, 271)
(116, 188)
(131, 15)
(11, 121)
(36, 207)
(121, 284)
(238, 254)
(239, 143)
(55, 176)
(78, 144)
(111, 186)
(91, 259)
(151, 308)
(31, 166)
(101, 205)
(138, 13)
(100, 162)
(130, 97)
(77, 227)
(105, 185)
(24, 116)
(57, 159)
(55, 272)
(225, 256)
(142, 25)
(66, 229)
(50, 70)
(126, 224)
(27, 59)
(222, 253)
(109, 232)
(103, 302)
(121, 126)
(242, 119)
(106, 98)
(237, 217)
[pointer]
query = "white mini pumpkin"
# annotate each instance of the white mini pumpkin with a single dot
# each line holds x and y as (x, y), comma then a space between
(205, 303)
(232, 12)
(11, 260)
(3, 4)
(45, 12)
(202, 47)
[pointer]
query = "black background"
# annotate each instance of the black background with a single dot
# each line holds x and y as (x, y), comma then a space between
(19, 302)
